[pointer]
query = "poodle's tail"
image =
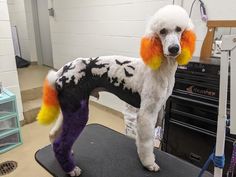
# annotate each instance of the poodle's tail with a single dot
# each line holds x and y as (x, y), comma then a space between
(50, 108)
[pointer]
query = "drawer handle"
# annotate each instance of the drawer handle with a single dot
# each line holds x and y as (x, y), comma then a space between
(195, 157)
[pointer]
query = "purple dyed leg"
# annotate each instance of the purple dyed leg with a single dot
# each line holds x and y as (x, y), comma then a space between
(73, 124)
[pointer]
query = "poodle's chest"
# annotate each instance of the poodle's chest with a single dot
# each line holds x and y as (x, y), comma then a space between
(164, 83)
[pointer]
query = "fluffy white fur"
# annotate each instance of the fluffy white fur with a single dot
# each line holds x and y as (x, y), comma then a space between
(51, 77)
(169, 17)
(154, 87)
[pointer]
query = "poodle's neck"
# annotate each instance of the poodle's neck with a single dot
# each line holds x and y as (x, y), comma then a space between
(169, 65)
(167, 70)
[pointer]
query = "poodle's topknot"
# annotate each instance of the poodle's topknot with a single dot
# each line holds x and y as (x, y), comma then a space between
(168, 17)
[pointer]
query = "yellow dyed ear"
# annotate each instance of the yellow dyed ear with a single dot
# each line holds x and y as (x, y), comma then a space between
(187, 43)
(151, 52)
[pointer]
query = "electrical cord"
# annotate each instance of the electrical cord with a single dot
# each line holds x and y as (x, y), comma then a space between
(191, 9)
(202, 10)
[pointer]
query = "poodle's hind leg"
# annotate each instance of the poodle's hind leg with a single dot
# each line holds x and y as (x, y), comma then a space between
(73, 124)
(56, 129)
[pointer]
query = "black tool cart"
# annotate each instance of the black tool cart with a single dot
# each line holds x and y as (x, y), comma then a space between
(192, 111)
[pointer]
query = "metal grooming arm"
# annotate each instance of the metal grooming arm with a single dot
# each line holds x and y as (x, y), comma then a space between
(233, 86)
(228, 55)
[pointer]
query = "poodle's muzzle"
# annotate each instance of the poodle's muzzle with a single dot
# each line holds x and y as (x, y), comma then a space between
(171, 45)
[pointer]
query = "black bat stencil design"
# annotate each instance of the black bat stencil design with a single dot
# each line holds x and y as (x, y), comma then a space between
(122, 63)
(127, 73)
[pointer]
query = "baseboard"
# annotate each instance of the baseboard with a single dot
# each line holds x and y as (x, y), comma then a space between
(99, 106)
(22, 123)
(105, 108)
(34, 63)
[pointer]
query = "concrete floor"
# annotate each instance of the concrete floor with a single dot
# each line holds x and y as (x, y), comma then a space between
(36, 137)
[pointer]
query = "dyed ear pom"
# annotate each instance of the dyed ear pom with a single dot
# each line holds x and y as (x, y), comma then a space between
(184, 57)
(187, 43)
(151, 52)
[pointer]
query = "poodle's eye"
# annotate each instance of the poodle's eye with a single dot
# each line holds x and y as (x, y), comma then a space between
(163, 31)
(178, 29)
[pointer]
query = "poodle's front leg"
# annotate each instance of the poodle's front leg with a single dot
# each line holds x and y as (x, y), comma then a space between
(146, 121)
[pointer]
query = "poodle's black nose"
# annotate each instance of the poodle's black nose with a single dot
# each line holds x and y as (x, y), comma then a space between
(173, 49)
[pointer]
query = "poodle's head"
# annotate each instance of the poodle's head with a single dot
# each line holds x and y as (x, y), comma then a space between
(169, 34)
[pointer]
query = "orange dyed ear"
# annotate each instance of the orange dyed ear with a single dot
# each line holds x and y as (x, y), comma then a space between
(187, 43)
(151, 52)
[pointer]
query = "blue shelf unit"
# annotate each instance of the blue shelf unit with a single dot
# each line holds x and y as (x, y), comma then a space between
(10, 135)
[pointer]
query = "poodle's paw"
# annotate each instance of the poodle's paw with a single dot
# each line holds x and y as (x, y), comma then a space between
(153, 167)
(75, 172)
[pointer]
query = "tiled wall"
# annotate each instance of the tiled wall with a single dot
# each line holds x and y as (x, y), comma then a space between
(8, 72)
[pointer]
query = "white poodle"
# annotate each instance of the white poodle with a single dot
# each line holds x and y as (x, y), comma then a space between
(144, 83)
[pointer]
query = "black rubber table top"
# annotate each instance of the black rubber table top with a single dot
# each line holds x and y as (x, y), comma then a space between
(102, 152)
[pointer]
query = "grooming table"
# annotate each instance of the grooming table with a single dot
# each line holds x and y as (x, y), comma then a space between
(102, 152)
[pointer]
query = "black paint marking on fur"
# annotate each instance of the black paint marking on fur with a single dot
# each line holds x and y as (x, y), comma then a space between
(114, 80)
(122, 63)
(92, 64)
(131, 67)
(63, 80)
(123, 82)
(127, 73)
(84, 62)
(66, 68)
(70, 94)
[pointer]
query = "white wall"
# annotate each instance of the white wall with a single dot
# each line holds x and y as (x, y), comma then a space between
(8, 72)
(99, 27)
(216, 10)
(18, 19)
(20, 12)
(31, 30)
(88, 28)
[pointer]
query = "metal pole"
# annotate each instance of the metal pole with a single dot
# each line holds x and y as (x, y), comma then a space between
(233, 90)
(222, 113)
